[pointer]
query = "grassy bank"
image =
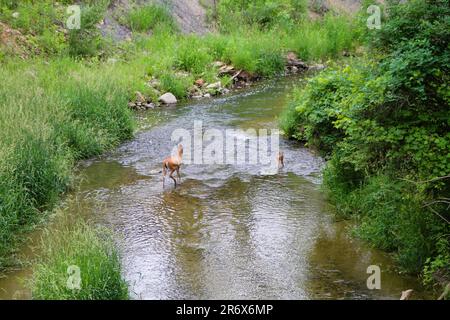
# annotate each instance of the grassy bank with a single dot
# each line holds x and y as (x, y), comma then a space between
(52, 115)
(383, 123)
(79, 262)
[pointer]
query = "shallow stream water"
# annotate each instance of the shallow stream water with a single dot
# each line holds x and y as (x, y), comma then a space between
(227, 231)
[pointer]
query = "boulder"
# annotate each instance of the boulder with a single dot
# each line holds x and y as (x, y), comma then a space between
(168, 98)
(194, 90)
(140, 97)
(215, 85)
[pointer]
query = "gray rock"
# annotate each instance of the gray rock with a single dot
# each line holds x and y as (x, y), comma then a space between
(168, 98)
(215, 85)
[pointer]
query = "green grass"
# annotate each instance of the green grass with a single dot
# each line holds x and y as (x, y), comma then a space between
(92, 250)
(151, 17)
(323, 39)
(52, 115)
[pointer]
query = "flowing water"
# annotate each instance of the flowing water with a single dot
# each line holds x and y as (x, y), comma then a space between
(228, 231)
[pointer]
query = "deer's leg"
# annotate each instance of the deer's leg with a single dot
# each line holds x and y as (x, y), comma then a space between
(171, 175)
(178, 174)
(164, 173)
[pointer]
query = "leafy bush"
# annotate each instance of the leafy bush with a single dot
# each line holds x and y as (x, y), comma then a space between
(438, 267)
(385, 121)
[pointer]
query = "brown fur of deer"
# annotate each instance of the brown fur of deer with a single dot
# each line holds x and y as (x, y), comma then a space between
(173, 164)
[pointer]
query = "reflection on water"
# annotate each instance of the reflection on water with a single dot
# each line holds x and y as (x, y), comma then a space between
(227, 232)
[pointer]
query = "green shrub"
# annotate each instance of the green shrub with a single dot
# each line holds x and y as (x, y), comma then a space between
(437, 268)
(384, 124)
(314, 111)
(390, 213)
(92, 250)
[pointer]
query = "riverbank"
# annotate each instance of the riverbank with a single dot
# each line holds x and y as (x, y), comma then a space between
(382, 121)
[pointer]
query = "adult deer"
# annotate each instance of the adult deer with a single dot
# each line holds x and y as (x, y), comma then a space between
(173, 164)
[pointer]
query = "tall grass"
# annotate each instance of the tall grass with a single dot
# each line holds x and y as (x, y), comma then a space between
(78, 246)
(51, 115)
(248, 48)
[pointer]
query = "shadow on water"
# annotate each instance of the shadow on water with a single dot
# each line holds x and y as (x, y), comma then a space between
(227, 232)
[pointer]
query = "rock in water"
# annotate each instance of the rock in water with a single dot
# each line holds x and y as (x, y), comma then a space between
(168, 98)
